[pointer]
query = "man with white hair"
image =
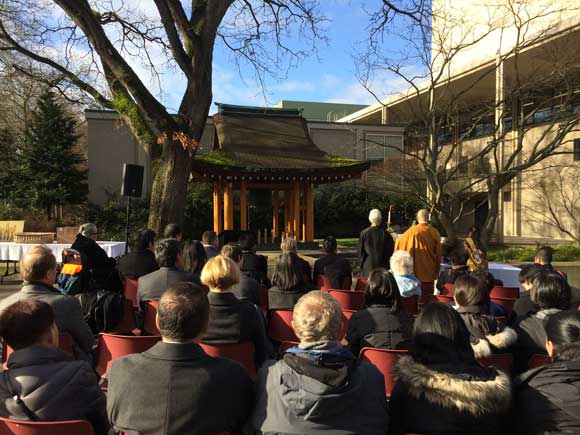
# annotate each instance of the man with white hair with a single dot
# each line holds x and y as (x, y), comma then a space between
(402, 270)
(423, 242)
(318, 386)
(375, 244)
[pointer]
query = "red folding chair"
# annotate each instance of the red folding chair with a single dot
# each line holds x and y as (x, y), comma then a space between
(128, 325)
(361, 284)
(112, 347)
(538, 360)
(441, 298)
(447, 289)
(22, 427)
(383, 360)
(65, 342)
(505, 292)
(500, 361)
(507, 303)
(149, 323)
(348, 299)
(411, 304)
(324, 284)
(242, 353)
(280, 326)
(131, 291)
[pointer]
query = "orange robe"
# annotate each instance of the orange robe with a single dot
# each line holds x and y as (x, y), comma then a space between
(423, 242)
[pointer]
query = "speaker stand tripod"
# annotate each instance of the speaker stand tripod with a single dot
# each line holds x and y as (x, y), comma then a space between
(127, 225)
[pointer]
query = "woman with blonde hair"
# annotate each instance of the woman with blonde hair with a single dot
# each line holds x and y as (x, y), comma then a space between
(230, 319)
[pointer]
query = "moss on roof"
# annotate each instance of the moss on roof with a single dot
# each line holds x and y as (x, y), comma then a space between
(218, 157)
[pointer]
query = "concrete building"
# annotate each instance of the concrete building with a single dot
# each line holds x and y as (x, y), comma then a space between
(515, 86)
(111, 143)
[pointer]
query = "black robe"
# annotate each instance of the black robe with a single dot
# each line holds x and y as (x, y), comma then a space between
(375, 247)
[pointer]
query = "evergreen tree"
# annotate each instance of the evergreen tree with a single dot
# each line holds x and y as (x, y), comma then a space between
(8, 164)
(50, 162)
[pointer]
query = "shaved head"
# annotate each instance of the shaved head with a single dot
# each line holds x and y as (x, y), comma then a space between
(423, 216)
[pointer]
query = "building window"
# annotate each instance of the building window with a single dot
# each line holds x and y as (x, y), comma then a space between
(507, 196)
(463, 165)
(576, 150)
(381, 147)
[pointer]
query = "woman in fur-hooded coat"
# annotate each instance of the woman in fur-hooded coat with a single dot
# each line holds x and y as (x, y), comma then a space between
(442, 389)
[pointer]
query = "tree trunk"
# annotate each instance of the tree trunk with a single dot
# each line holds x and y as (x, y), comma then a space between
(449, 228)
(169, 190)
(491, 219)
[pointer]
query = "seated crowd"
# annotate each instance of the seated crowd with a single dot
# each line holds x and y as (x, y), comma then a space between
(444, 382)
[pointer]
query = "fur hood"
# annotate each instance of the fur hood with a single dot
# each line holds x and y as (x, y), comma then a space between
(501, 340)
(478, 397)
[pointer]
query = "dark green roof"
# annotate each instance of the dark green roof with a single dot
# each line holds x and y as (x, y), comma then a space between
(249, 143)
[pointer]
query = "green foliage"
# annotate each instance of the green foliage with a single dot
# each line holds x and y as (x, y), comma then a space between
(111, 219)
(49, 172)
(139, 124)
(198, 210)
(342, 209)
(8, 165)
(568, 252)
(10, 213)
(217, 157)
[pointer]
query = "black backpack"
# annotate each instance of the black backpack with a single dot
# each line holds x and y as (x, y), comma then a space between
(103, 309)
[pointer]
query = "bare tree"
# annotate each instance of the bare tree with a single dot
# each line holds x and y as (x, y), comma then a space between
(95, 47)
(473, 128)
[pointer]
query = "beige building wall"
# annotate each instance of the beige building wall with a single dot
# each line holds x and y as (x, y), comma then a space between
(111, 143)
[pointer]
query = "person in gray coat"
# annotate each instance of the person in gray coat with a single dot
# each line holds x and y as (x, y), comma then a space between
(319, 387)
(41, 382)
(150, 287)
(175, 387)
(38, 270)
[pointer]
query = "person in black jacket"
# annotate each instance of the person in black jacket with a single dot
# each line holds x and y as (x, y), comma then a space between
(230, 319)
(473, 304)
(41, 382)
(248, 288)
(548, 294)
(458, 268)
(141, 260)
(150, 287)
(548, 397)
(193, 257)
(175, 387)
(375, 245)
(442, 389)
(103, 269)
(384, 323)
(253, 264)
(524, 305)
(334, 266)
(289, 283)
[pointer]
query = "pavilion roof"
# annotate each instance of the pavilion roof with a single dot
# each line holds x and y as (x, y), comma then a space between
(270, 142)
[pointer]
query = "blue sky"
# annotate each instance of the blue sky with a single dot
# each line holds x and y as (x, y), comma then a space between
(328, 77)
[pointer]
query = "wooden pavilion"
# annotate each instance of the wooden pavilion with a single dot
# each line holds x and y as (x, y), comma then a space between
(266, 148)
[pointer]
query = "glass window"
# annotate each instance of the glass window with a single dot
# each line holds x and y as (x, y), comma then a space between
(576, 150)
(381, 147)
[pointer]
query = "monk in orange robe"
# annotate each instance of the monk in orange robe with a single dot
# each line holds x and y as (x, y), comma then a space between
(423, 242)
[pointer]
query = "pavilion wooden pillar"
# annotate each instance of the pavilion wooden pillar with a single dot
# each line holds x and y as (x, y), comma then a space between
(296, 209)
(288, 211)
(303, 190)
(228, 207)
(309, 205)
(275, 214)
(243, 206)
(217, 208)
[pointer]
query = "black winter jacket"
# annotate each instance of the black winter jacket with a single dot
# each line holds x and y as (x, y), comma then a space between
(94, 258)
(448, 399)
(375, 247)
(53, 387)
(137, 264)
(548, 400)
(335, 267)
(377, 327)
(235, 321)
(279, 299)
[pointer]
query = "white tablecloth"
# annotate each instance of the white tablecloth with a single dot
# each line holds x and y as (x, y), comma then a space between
(506, 273)
(15, 251)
